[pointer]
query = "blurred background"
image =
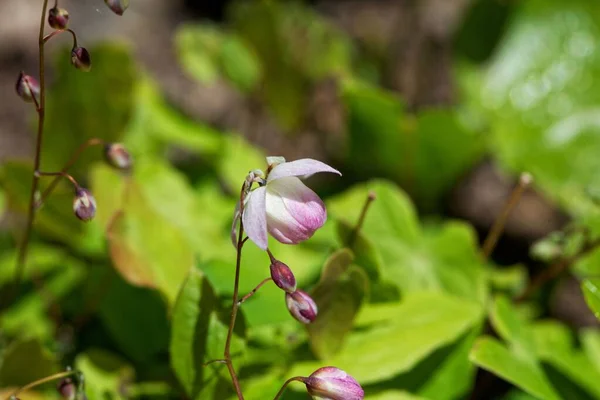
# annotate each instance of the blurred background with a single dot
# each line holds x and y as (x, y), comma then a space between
(451, 100)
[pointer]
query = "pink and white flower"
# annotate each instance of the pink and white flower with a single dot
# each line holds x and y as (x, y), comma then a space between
(283, 206)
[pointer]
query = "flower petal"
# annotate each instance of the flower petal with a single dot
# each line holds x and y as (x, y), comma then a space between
(254, 217)
(304, 168)
(294, 212)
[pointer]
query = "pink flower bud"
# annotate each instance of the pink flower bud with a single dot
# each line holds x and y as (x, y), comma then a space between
(301, 306)
(67, 389)
(283, 276)
(84, 205)
(117, 6)
(58, 18)
(117, 156)
(28, 88)
(80, 58)
(332, 383)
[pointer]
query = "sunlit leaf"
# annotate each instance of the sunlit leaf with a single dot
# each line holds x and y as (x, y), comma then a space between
(490, 354)
(105, 373)
(414, 328)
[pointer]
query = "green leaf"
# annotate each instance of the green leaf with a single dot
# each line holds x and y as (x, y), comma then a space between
(541, 95)
(29, 316)
(554, 346)
(146, 248)
(427, 153)
(155, 124)
(592, 295)
(126, 311)
(445, 258)
(490, 354)
(198, 49)
(198, 336)
(26, 360)
(590, 340)
(338, 295)
(414, 328)
(105, 373)
(364, 251)
(240, 64)
(95, 104)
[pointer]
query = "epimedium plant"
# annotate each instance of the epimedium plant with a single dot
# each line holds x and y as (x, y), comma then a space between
(398, 303)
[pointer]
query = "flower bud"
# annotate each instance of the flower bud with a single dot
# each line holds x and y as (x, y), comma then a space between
(67, 389)
(58, 18)
(28, 88)
(333, 384)
(117, 156)
(301, 306)
(80, 58)
(84, 205)
(283, 276)
(117, 6)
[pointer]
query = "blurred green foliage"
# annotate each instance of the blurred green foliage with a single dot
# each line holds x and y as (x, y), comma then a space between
(138, 299)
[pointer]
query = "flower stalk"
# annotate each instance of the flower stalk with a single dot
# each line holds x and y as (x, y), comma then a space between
(41, 111)
(41, 381)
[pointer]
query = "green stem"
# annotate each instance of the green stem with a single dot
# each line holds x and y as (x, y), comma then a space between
(295, 378)
(361, 220)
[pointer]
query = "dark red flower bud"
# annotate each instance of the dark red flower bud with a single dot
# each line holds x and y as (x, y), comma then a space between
(283, 276)
(301, 306)
(117, 156)
(117, 6)
(28, 88)
(84, 205)
(58, 18)
(80, 58)
(67, 389)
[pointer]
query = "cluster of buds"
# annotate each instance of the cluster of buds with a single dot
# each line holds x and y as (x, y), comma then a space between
(300, 305)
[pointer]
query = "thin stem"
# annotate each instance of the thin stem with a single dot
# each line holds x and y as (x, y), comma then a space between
(88, 143)
(492, 238)
(22, 256)
(59, 175)
(251, 293)
(235, 305)
(41, 381)
(555, 270)
(58, 32)
(361, 220)
(295, 378)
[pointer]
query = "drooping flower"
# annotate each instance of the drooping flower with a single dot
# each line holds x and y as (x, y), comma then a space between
(283, 206)
(80, 58)
(331, 383)
(28, 88)
(302, 307)
(58, 18)
(117, 156)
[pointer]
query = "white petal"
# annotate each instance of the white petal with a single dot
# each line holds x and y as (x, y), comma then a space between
(304, 168)
(254, 217)
(294, 212)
